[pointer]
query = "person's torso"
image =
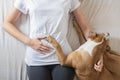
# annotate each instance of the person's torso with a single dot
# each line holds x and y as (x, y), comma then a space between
(48, 17)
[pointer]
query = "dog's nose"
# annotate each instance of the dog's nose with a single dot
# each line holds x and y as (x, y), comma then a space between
(107, 36)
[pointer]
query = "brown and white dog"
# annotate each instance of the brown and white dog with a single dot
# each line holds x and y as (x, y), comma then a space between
(88, 54)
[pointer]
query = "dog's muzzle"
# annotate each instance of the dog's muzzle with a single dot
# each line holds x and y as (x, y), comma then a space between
(107, 35)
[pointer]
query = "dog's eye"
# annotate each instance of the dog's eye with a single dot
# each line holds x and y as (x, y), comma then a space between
(96, 35)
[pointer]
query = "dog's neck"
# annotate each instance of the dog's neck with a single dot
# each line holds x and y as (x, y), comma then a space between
(89, 45)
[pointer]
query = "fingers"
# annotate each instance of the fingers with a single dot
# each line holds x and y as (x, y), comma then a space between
(99, 65)
(44, 48)
(97, 68)
(40, 37)
(37, 45)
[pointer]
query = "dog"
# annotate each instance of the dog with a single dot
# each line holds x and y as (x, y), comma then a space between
(88, 54)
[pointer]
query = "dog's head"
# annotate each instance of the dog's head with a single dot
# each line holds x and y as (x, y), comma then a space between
(101, 39)
(98, 37)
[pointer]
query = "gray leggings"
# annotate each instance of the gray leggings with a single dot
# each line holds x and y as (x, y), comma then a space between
(50, 72)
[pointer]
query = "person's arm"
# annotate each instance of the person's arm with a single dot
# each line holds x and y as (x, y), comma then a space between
(9, 27)
(83, 23)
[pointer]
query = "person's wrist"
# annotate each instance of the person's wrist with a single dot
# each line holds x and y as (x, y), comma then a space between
(29, 41)
(87, 33)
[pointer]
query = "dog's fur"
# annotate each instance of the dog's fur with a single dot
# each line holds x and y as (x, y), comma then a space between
(82, 60)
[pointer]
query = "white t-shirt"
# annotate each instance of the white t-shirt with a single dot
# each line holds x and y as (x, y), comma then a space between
(47, 17)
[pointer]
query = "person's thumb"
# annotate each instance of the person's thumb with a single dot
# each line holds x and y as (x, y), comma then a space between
(40, 37)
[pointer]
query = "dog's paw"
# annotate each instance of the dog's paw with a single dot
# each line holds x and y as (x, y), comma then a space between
(53, 41)
(50, 39)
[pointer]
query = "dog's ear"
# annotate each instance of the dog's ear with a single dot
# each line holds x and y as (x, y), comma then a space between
(92, 34)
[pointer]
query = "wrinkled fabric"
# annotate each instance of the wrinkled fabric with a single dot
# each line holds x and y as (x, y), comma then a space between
(103, 16)
(47, 18)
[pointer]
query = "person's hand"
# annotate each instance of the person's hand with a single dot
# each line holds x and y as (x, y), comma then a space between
(87, 33)
(99, 65)
(36, 44)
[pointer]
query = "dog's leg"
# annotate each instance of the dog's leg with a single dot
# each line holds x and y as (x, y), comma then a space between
(61, 56)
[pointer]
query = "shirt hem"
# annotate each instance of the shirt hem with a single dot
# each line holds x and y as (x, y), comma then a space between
(41, 64)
